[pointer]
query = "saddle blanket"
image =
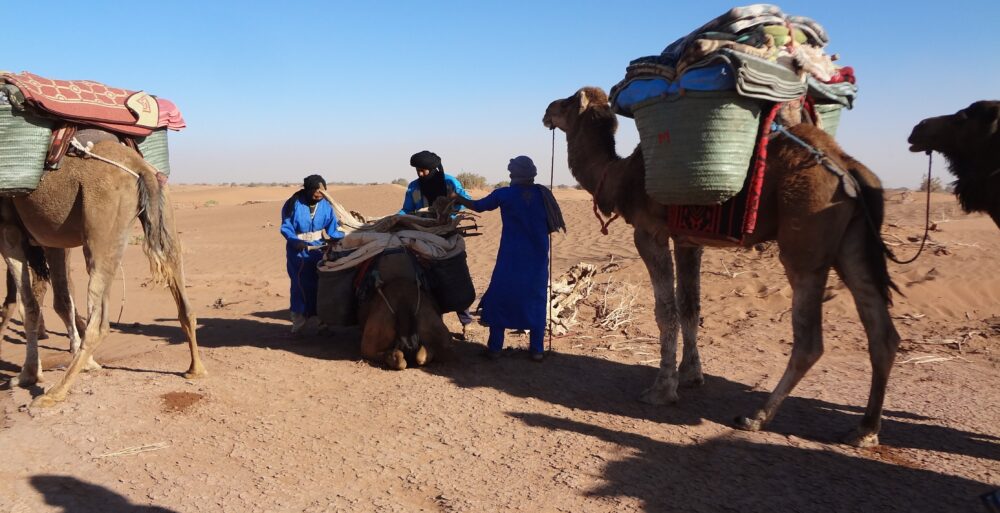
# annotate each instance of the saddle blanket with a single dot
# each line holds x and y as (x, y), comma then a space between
(86, 101)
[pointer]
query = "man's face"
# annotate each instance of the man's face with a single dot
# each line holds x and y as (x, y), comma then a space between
(317, 194)
(423, 173)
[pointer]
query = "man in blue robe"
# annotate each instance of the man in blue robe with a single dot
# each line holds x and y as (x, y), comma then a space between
(307, 219)
(432, 183)
(516, 297)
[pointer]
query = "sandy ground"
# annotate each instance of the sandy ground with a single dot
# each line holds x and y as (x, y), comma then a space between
(303, 425)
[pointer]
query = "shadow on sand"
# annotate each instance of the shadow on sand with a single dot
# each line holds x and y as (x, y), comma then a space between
(732, 473)
(75, 496)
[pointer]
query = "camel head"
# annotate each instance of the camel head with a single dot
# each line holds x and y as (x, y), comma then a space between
(564, 114)
(972, 131)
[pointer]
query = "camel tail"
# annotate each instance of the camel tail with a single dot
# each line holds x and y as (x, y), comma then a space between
(873, 200)
(158, 243)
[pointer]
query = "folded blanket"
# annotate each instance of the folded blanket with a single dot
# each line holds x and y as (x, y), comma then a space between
(365, 245)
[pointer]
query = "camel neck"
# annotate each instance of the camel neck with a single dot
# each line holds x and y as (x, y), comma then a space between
(590, 149)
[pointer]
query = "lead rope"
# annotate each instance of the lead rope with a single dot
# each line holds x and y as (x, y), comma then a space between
(552, 179)
(86, 150)
(927, 217)
(597, 212)
(830, 165)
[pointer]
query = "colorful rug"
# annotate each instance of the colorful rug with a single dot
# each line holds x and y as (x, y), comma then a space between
(118, 110)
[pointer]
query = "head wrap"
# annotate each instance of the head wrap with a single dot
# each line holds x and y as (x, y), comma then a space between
(309, 186)
(313, 182)
(522, 170)
(426, 160)
(433, 185)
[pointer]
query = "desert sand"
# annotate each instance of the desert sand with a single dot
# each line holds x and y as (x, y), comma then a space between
(284, 424)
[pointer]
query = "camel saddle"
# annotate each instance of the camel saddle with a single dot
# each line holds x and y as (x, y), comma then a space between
(88, 102)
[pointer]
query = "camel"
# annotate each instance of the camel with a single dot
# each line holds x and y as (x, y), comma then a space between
(803, 206)
(10, 304)
(400, 320)
(970, 140)
(92, 203)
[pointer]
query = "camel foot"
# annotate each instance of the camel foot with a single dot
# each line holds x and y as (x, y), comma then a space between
(692, 379)
(91, 365)
(748, 424)
(196, 371)
(46, 401)
(861, 438)
(423, 356)
(659, 394)
(26, 379)
(395, 360)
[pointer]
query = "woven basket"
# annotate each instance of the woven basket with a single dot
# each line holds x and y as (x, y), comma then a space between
(154, 150)
(829, 115)
(24, 142)
(697, 145)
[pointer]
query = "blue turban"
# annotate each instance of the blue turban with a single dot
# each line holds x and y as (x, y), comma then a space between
(522, 170)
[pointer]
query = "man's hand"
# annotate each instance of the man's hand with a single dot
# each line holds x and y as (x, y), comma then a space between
(301, 246)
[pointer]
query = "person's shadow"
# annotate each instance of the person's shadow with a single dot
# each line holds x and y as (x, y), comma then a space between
(76, 496)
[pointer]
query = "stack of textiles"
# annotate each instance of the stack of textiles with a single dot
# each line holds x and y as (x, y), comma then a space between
(757, 51)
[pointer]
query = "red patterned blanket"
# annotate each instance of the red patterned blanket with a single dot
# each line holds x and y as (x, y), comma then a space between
(86, 101)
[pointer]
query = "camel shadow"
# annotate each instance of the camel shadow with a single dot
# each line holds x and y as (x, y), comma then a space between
(732, 473)
(599, 385)
(259, 330)
(76, 496)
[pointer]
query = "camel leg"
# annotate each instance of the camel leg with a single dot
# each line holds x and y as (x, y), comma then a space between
(39, 288)
(175, 281)
(101, 267)
(807, 347)
(9, 303)
(689, 310)
(63, 303)
(873, 309)
(378, 332)
(13, 242)
(659, 263)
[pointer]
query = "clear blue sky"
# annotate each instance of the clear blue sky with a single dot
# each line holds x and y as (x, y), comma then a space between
(274, 91)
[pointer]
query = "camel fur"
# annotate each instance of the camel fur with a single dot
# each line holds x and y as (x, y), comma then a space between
(970, 140)
(401, 324)
(803, 206)
(91, 203)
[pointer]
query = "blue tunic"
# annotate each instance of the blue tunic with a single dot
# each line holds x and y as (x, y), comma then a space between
(301, 265)
(414, 200)
(515, 298)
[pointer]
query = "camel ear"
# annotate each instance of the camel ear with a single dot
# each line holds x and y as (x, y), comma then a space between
(583, 100)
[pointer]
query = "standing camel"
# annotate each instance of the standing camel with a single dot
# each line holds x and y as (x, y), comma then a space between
(970, 140)
(91, 203)
(803, 206)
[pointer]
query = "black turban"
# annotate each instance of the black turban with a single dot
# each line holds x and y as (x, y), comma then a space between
(426, 160)
(313, 182)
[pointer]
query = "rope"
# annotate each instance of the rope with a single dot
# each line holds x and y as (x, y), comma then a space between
(927, 217)
(597, 212)
(86, 150)
(552, 179)
(845, 177)
(121, 265)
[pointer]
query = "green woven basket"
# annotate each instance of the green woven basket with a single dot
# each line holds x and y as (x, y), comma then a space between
(154, 150)
(24, 142)
(829, 115)
(697, 145)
